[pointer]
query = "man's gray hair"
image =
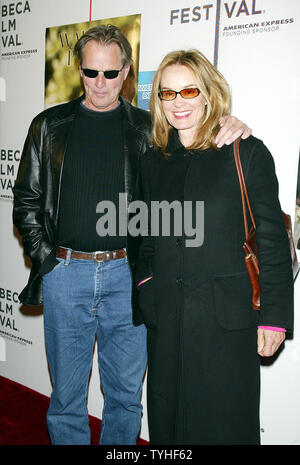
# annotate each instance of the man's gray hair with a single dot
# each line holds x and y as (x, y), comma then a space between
(105, 35)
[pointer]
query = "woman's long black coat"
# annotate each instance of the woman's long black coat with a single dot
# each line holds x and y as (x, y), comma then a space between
(203, 367)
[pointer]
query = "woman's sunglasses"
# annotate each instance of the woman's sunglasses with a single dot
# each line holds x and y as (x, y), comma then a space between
(172, 94)
(92, 73)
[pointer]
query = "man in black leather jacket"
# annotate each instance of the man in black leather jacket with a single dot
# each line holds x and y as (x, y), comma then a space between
(71, 161)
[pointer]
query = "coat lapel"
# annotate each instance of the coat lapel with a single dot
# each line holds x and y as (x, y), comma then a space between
(133, 140)
(60, 133)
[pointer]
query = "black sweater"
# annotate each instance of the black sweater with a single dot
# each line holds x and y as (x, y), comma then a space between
(92, 172)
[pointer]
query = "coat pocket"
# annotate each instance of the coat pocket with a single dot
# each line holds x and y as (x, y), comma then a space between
(233, 297)
(146, 302)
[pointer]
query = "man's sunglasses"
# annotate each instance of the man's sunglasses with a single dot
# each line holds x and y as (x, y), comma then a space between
(110, 74)
(172, 94)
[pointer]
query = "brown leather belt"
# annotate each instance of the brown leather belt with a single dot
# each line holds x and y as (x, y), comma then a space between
(97, 256)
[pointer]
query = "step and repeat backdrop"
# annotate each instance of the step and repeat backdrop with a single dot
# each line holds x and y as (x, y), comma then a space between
(254, 43)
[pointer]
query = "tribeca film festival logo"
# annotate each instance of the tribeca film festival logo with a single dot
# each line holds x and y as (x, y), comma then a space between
(230, 10)
(197, 13)
(11, 42)
(9, 306)
(185, 218)
(8, 326)
(9, 162)
(7, 300)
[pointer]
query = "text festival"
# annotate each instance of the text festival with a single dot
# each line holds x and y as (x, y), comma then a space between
(185, 15)
(7, 299)
(9, 25)
(7, 169)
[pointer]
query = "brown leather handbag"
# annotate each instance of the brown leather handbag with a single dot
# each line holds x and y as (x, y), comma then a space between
(250, 245)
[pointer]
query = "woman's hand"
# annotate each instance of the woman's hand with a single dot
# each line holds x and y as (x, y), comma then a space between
(231, 129)
(268, 341)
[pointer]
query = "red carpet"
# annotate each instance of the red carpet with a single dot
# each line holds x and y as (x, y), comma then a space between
(23, 416)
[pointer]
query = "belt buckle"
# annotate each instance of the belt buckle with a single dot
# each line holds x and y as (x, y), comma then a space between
(98, 260)
(111, 255)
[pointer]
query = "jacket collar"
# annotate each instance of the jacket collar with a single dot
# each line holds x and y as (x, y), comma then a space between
(174, 145)
(134, 128)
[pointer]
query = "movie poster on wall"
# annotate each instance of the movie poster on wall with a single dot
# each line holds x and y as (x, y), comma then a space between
(18, 50)
(62, 78)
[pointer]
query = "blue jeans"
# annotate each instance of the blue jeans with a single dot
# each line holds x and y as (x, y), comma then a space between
(84, 299)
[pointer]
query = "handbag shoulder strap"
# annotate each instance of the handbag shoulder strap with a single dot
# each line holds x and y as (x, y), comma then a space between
(244, 194)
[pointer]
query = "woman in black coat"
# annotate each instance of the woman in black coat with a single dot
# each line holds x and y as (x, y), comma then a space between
(204, 338)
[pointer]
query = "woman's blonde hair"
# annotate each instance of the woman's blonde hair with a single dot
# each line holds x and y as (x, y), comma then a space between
(214, 89)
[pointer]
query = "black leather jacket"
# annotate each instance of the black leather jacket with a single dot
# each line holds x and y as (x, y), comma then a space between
(37, 187)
